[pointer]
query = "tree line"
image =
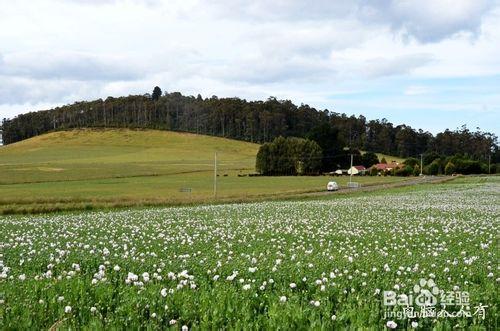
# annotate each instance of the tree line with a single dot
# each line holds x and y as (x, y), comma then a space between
(254, 121)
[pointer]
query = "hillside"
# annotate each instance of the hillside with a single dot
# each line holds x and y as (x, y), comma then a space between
(95, 168)
(388, 158)
(111, 153)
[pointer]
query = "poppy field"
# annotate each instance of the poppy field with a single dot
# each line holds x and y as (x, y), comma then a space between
(332, 263)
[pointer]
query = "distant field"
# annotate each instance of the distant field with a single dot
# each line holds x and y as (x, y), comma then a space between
(91, 168)
(388, 158)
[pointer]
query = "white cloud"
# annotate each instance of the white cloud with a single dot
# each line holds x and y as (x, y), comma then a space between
(417, 90)
(424, 20)
(399, 65)
(19, 90)
(68, 66)
(428, 20)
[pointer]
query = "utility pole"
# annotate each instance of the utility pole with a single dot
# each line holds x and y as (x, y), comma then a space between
(350, 177)
(215, 176)
(421, 164)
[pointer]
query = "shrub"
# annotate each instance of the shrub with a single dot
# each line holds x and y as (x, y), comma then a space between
(450, 168)
(464, 165)
(406, 171)
(416, 170)
(433, 168)
(412, 162)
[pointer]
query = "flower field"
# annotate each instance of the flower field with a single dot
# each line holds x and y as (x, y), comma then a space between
(290, 265)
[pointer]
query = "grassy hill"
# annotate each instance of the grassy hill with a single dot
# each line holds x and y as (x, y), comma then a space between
(91, 154)
(388, 158)
(119, 167)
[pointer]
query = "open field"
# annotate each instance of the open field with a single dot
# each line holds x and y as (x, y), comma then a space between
(318, 264)
(82, 169)
(388, 158)
(159, 190)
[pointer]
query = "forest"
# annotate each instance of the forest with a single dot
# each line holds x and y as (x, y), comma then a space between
(254, 121)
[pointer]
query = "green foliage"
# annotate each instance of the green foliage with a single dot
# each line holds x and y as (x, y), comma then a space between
(464, 165)
(263, 159)
(471, 145)
(343, 159)
(468, 167)
(429, 157)
(327, 137)
(450, 168)
(383, 160)
(368, 159)
(407, 141)
(416, 170)
(289, 156)
(254, 121)
(405, 171)
(433, 168)
(412, 162)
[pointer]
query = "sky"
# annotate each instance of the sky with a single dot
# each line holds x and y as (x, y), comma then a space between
(431, 64)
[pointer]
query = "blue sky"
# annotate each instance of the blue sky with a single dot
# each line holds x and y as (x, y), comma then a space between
(432, 64)
(431, 104)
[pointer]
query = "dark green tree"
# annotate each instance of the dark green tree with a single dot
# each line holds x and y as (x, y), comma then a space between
(289, 156)
(156, 93)
(412, 162)
(327, 137)
(368, 159)
(430, 156)
(263, 161)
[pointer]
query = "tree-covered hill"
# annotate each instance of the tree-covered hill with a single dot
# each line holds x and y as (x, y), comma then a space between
(254, 121)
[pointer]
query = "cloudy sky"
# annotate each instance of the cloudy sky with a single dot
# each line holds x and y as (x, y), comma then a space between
(432, 64)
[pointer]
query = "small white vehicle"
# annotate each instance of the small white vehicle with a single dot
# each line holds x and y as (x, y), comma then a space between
(332, 186)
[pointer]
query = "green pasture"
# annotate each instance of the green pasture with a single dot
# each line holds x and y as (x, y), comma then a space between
(120, 167)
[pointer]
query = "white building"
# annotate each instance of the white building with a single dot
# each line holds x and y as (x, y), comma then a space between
(357, 170)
